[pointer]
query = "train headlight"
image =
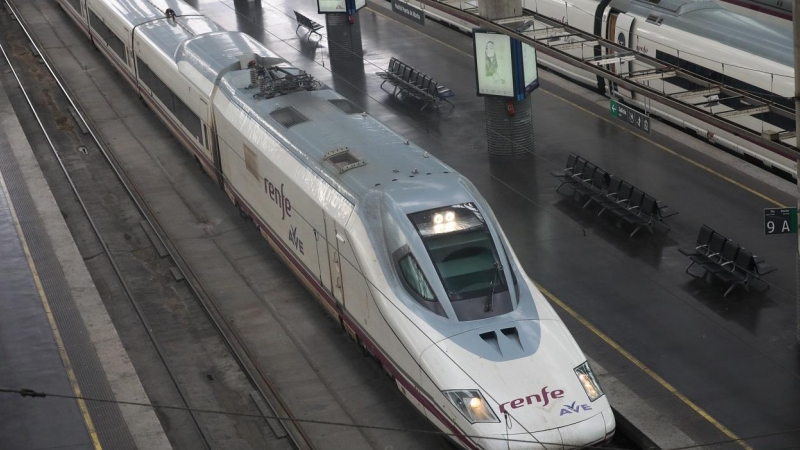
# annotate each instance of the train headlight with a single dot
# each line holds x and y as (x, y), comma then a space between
(472, 405)
(588, 381)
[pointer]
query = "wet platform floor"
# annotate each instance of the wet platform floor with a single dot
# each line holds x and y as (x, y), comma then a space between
(736, 358)
(55, 335)
(30, 355)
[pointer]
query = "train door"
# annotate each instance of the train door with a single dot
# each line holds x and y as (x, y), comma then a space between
(620, 31)
(623, 36)
(334, 239)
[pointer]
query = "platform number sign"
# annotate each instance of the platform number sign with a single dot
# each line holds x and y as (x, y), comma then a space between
(631, 116)
(780, 220)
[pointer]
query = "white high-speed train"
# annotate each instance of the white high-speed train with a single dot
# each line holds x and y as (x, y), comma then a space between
(750, 54)
(396, 245)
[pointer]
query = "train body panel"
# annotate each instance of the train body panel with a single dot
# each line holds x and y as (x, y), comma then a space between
(399, 247)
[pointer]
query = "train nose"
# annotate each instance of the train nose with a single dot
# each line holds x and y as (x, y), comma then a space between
(590, 431)
(594, 430)
(539, 440)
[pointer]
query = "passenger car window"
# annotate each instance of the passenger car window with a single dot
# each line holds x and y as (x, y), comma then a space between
(415, 278)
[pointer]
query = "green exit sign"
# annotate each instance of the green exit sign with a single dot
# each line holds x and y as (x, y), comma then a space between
(630, 116)
(780, 220)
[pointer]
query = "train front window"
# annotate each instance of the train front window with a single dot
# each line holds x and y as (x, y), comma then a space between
(462, 250)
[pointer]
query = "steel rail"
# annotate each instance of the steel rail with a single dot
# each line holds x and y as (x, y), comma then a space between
(255, 375)
(110, 256)
(652, 94)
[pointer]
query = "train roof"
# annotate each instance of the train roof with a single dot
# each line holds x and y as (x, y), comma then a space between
(316, 124)
(137, 12)
(205, 58)
(168, 36)
(706, 18)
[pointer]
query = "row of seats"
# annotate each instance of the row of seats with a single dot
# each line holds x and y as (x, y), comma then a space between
(591, 184)
(726, 260)
(409, 82)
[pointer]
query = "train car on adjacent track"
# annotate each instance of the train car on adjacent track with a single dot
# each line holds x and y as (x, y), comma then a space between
(398, 247)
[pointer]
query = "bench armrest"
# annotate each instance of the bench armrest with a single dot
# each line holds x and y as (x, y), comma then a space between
(763, 267)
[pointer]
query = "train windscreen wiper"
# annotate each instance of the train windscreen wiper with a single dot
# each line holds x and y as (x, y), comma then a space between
(489, 301)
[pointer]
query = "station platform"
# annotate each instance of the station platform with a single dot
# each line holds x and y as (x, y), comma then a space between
(55, 334)
(705, 370)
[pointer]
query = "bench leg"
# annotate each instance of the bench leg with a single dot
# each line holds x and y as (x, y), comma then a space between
(730, 289)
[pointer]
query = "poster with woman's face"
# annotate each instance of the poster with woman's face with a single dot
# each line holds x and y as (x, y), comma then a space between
(493, 61)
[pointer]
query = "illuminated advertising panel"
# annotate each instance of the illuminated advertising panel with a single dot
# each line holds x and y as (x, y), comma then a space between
(493, 64)
(332, 6)
(529, 69)
(340, 6)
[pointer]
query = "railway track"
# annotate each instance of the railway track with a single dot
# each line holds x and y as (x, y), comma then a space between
(265, 397)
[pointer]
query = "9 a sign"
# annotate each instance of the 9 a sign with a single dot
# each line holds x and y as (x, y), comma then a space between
(780, 220)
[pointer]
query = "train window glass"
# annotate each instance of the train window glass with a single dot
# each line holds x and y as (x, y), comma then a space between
(151, 80)
(251, 161)
(187, 117)
(76, 5)
(107, 35)
(464, 254)
(415, 278)
(117, 45)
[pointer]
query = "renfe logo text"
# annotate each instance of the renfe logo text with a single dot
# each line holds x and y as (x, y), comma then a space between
(543, 398)
(277, 196)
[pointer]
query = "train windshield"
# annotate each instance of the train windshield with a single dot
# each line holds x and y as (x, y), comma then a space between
(462, 250)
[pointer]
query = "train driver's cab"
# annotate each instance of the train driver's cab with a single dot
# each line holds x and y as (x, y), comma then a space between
(467, 262)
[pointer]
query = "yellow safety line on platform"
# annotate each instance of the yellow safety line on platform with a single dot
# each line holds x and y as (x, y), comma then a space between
(643, 367)
(50, 318)
(580, 318)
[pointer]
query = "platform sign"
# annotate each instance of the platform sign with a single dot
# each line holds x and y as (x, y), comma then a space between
(340, 6)
(780, 220)
(631, 116)
(493, 64)
(409, 12)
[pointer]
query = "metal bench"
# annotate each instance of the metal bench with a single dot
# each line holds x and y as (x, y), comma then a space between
(310, 25)
(589, 184)
(726, 261)
(409, 82)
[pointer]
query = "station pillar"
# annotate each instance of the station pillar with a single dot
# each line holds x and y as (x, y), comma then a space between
(796, 33)
(509, 123)
(344, 36)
